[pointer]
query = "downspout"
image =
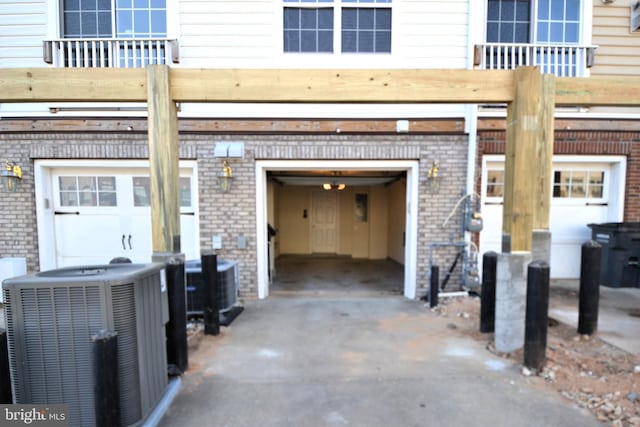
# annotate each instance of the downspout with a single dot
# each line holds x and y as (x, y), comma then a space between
(471, 119)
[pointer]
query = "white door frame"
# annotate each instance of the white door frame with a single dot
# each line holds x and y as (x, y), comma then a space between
(411, 167)
(45, 206)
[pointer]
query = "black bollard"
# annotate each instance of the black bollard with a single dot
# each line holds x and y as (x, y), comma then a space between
(106, 385)
(488, 295)
(176, 329)
(5, 376)
(536, 315)
(212, 294)
(589, 287)
(434, 287)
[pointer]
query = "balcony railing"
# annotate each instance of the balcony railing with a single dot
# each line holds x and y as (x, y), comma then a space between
(561, 60)
(113, 53)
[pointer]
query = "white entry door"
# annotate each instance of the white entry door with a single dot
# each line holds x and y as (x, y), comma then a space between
(324, 222)
(581, 196)
(103, 214)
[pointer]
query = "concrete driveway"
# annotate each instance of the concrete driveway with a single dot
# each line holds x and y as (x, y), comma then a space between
(353, 361)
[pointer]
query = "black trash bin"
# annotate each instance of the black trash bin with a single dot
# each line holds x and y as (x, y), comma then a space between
(620, 261)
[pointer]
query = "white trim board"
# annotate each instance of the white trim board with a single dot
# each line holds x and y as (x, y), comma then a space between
(410, 167)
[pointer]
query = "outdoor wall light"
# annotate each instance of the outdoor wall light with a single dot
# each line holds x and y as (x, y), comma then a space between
(225, 177)
(333, 186)
(11, 176)
(433, 178)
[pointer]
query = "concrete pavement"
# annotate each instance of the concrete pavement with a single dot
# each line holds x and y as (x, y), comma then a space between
(618, 312)
(352, 361)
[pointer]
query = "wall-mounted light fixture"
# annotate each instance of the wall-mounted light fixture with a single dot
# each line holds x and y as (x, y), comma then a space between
(334, 186)
(433, 178)
(225, 177)
(227, 150)
(11, 176)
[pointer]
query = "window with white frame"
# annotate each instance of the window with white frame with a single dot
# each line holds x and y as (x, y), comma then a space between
(114, 18)
(327, 26)
(578, 184)
(529, 21)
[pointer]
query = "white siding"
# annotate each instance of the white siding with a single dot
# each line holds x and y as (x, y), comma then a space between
(226, 33)
(248, 33)
(618, 51)
(432, 34)
(23, 27)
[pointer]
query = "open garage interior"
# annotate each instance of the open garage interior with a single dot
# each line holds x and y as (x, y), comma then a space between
(336, 231)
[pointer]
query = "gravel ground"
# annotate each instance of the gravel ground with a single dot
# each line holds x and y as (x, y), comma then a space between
(583, 369)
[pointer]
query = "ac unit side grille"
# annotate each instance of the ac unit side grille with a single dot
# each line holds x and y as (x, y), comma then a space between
(124, 322)
(13, 363)
(152, 368)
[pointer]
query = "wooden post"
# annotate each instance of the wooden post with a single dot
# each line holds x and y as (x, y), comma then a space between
(544, 155)
(524, 131)
(163, 162)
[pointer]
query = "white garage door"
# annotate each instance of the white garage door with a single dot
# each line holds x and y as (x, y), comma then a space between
(582, 194)
(100, 214)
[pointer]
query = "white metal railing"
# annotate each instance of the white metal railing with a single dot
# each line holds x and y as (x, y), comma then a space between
(111, 53)
(561, 60)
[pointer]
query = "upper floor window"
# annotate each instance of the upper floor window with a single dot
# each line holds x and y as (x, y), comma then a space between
(533, 21)
(348, 26)
(114, 18)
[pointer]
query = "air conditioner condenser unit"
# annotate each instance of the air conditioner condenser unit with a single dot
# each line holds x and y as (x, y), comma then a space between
(51, 317)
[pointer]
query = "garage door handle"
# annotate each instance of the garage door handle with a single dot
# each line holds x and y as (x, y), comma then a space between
(597, 204)
(123, 246)
(130, 242)
(66, 213)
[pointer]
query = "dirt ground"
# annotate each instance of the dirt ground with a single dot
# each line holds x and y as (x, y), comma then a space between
(583, 369)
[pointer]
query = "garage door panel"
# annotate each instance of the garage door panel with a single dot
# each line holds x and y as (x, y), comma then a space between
(104, 213)
(75, 245)
(580, 197)
(565, 260)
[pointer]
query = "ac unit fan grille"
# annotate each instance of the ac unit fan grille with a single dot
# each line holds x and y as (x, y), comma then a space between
(57, 330)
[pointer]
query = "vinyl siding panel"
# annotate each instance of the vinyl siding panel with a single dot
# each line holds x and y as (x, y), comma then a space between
(618, 51)
(23, 27)
(433, 34)
(226, 33)
(231, 34)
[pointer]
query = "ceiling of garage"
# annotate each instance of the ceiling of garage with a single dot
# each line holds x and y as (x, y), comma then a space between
(350, 178)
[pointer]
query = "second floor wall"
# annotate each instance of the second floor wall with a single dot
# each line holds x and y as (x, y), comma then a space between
(241, 33)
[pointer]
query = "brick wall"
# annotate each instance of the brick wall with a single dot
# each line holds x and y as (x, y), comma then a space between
(233, 214)
(586, 143)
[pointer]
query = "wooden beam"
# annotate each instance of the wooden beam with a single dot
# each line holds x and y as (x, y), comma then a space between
(543, 163)
(276, 86)
(310, 86)
(72, 85)
(598, 90)
(163, 163)
(573, 124)
(523, 133)
(337, 86)
(226, 126)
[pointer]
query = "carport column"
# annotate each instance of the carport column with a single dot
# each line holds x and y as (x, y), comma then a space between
(524, 131)
(163, 162)
(165, 206)
(541, 243)
(511, 299)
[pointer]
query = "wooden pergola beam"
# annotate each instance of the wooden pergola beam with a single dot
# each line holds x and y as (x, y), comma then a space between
(73, 85)
(305, 86)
